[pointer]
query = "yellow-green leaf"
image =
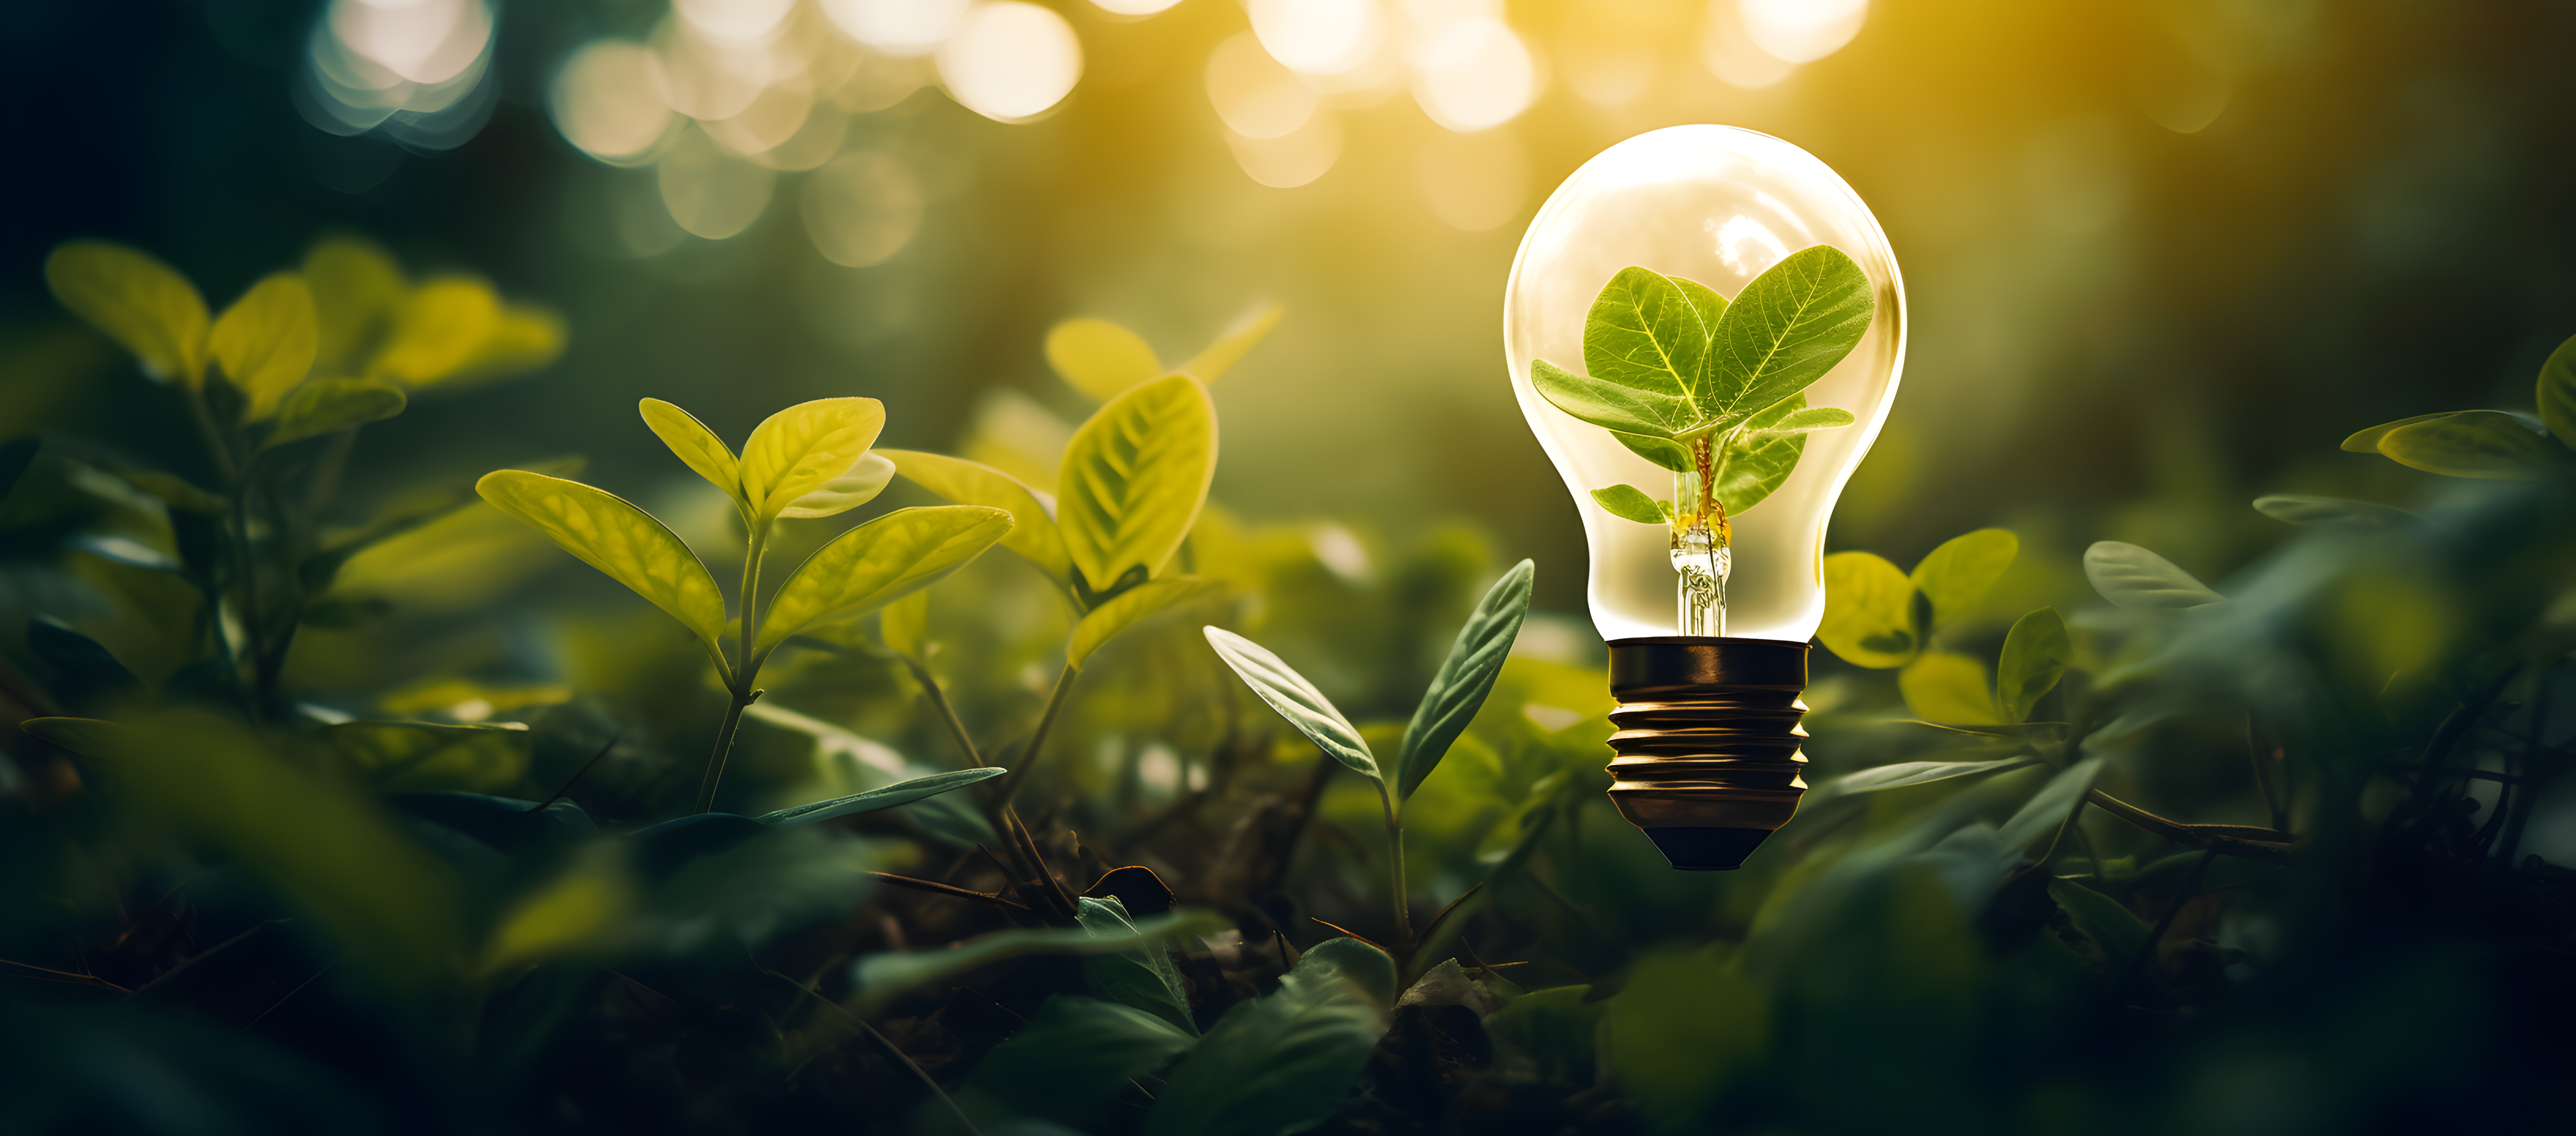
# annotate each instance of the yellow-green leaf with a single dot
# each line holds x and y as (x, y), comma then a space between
(799, 448)
(696, 445)
(1033, 534)
(325, 406)
(141, 303)
(2485, 444)
(1942, 687)
(356, 291)
(562, 916)
(844, 493)
(1230, 347)
(2367, 441)
(1134, 479)
(619, 539)
(524, 338)
(877, 563)
(438, 330)
(266, 341)
(1130, 608)
(2036, 652)
(1100, 358)
(1869, 611)
(1960, 572)
(904, 626)
(1628, 502)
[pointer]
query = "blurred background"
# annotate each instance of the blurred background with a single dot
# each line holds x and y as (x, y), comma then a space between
(2160, 255)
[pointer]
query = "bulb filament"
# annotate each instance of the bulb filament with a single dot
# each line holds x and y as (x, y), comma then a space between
(1700, 550)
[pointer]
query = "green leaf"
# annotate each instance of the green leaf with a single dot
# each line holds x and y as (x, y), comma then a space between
(1134, 478)
(1664, 452)
(524, 337)
(1075, 1056)
(436, 331)
(2132, 577)
(141, 303)
(1784, 331)
(2114, 928)
(697, 447)
(1100, 358)
(1233, 343)
(904, 626)
(1617, 408)
(357, 290)
(899, 794)
(328, 406)
(1628, 502)
(2556, 393)
(1905, 773)
(877, 563)
(619, 539)
(1869, 611)
(859, 486)
(404, 756)
(84, 668)
(1756, 460)
(266, 342)
(1144, 978)
(1465, 677)
(2045, 813)
(1132, 607)
(2036, 652)
(1644, 334)
(1296, 700)
(1960, 572)
(2367, 441)
(2301, 509)
(886, 975)
(1281, 1062)
(795, 451)
(2489, 445)
(1943, 687)
(1801, 421)
(1033, 536)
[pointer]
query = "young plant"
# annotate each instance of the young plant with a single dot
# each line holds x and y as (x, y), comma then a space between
(1714, 392)
(2492, 445)
(807, 461)
(1457, 691)
(302, 355)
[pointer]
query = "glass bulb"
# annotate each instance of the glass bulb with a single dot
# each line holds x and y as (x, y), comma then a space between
(1717, 205)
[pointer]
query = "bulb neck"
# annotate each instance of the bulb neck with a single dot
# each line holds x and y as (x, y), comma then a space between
(1707, 750)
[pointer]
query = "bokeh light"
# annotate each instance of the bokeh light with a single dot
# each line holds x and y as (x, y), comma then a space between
(1010, 61)
(863, 208)
(1133, 7)
(1256, 96)
(897, 27)
(605, 102)
(1803, 31)
(412, 69)
(1473, 73)
(1292, 159)
(1318, 37)
(711, 193)
(736, 21)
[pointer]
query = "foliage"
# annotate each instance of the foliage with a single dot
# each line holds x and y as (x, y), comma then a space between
(360, 816)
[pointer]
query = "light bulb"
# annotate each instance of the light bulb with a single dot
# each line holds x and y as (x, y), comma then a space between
(1707, 614)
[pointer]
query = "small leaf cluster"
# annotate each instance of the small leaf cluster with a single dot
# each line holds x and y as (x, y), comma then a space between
(1877, 616)
(2490, 445)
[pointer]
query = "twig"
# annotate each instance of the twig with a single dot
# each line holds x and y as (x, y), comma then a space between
(937, 888)
(2147, 950)
(1348, 932)
(299, 988)
(1010, 783)
(947, 713)
(566, 787)
(68, 976)
(2247, 841)
(890, 1046)
(198, 957)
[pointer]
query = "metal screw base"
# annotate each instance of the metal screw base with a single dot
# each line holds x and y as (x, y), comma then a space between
(1708, 740)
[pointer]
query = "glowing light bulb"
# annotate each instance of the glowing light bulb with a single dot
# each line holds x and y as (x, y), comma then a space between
(1669, 235)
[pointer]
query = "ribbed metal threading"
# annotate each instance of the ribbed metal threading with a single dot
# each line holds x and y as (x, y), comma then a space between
(1708, 735)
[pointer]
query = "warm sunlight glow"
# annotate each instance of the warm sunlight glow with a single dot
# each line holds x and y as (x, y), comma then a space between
(1317, 37)
(711, 193)
(1731, 54)
(735, 21)
(1256, 96)
(1803, 31)
(604, 102)
(1474, 182)
(897, 27)
(1133, 7)
(1010, 61)
(1473, 74)
(1293, 159)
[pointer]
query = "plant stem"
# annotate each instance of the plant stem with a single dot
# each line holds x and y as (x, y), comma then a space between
(2233, 839)
(1029, 756)
(724, 745)
(947, 713)
(1395, 871)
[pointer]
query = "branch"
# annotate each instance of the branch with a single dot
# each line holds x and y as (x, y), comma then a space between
(2243, 840)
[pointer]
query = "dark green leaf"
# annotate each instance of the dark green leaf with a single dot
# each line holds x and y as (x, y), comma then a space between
(2556, 393)
(1143, 978)
(1281, 1062)
(892, 796)
(1664, 452)
(2367, 441)
(2113, 927)
(1296, 700)
(1756, 460)
(327, 406)
(2046, 812)
(882, 976)
(1683, 1028)
(2485, 444)
(1466, 676)
(1075, 1057)
(2036, 652)
(1906, 773)
(84, 669)
(1629, 503)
